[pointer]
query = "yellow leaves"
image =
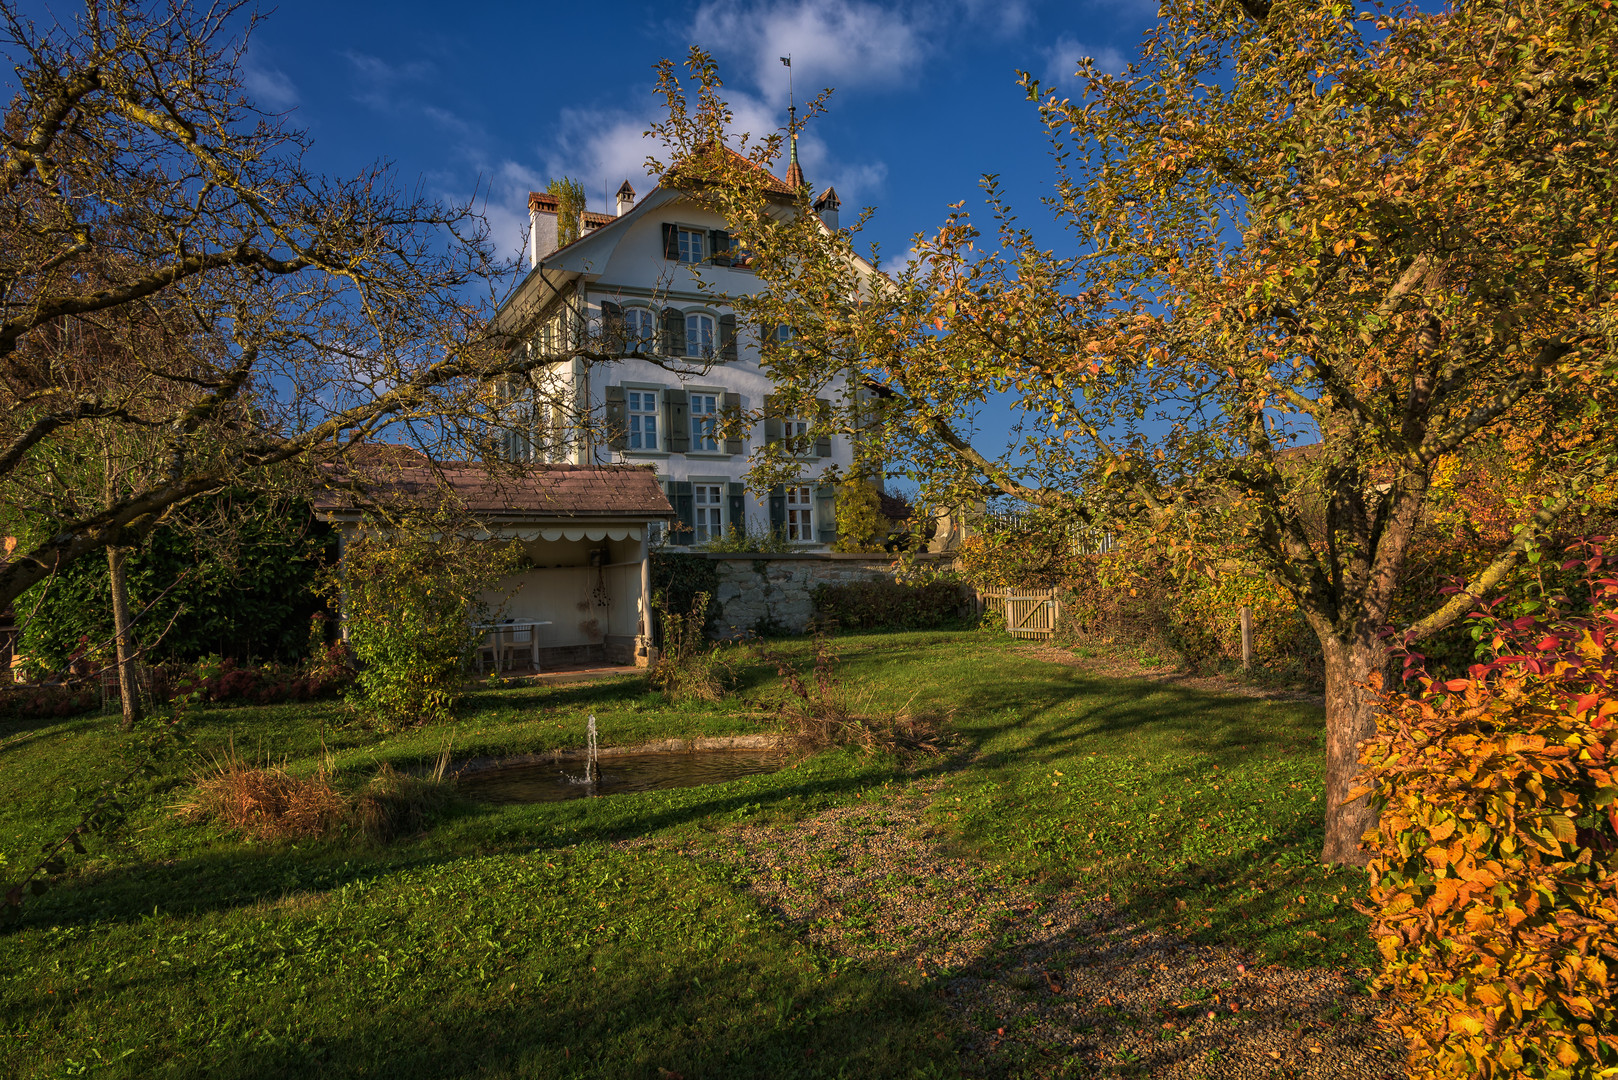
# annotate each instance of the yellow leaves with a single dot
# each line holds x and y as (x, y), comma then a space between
(1487, 899)
(1562, 828)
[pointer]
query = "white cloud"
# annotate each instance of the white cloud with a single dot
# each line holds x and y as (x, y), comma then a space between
(1008, 18)
(601, 148)
(1062, 61)
(832, 42)
(379, 82)
(268, 87)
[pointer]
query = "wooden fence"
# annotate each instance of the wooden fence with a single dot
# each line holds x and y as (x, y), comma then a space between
(1027, 612)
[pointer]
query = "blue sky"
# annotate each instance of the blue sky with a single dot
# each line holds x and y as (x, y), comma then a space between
(498, 97)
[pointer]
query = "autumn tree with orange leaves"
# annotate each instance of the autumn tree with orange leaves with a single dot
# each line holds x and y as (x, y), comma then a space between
(1313, 253)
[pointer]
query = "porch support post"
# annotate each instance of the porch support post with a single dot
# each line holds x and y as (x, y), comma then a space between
(644, 654)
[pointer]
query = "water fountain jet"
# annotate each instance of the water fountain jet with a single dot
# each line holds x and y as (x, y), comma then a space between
(592, 763)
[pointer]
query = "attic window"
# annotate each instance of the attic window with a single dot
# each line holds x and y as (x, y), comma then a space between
(693, 245)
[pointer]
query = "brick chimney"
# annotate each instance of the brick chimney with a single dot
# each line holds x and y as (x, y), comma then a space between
(543, 235)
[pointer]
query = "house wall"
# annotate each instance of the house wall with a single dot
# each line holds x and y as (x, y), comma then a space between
(632, 271)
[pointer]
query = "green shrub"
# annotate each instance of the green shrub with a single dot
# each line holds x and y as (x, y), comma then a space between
(1494, 870)
(1127, 598)
(677, 579)
(410, 597)
(690, 667)
(238, 576)
(890, 605)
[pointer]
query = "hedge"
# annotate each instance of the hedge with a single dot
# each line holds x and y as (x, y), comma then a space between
(1494, 870)
(889, 605)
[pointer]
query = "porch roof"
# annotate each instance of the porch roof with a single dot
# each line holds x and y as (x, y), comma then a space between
(551, 494)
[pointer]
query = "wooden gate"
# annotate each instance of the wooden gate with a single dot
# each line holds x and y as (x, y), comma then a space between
(1029, 612)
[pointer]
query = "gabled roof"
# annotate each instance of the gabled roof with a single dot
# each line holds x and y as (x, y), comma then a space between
(765, 179)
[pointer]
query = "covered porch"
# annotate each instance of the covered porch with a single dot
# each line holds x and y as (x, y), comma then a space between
(580, 597)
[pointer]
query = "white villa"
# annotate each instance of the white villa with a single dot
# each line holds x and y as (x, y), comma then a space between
(638, 269)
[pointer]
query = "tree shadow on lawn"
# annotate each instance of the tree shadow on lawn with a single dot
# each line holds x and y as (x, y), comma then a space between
(617, 1012)
(1165, 741)
(713, 1020)
(1107, 716)
(241, 875)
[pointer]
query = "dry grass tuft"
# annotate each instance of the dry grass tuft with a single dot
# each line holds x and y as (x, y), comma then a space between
(266, 803)
(269, 803)
(397, 804)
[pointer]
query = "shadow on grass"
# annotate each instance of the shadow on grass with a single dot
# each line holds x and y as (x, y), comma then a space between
(632, 1024)
(618, 1012)
(245, 875)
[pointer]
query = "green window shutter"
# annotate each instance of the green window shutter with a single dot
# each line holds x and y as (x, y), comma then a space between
(685, 508)
(671, 241)
(778, 509)
(732, 422)
(727, 338)
(823, 421)
(677, 407)
(826, 513)
(617, 418)
(673, 332)
(612, 327)
(719, 245)
(738, 506)
(772, 428)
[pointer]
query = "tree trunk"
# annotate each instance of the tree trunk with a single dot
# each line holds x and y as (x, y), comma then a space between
(1350, 719)
(128, 692)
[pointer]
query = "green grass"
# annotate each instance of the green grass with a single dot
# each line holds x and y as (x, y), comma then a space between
(526, 941)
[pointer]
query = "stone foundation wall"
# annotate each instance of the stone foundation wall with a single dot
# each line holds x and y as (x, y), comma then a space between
(773, 593)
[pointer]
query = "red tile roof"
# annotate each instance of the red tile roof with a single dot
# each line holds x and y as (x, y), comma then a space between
(536, 491)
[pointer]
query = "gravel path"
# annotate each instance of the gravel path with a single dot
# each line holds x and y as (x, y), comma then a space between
(1049, 986)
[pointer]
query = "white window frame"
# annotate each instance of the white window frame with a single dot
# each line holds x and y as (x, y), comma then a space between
(694, 346)
(710, 517)
(646, 342)
(635, 419)
(800, 514)
(691, 244)
(705, 425)
(795, 434)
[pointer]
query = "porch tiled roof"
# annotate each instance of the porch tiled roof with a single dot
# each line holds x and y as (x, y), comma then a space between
(526, 491)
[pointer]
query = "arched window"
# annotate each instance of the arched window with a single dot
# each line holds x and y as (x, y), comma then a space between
(640, 329)
(699, 335)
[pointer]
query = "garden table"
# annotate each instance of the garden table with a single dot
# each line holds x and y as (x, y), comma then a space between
(496, 633)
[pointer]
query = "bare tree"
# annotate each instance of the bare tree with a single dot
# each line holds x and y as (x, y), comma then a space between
(184, 306)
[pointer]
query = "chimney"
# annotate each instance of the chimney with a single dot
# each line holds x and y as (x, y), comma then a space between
(542, 226)
(626, 199)
(827, 206)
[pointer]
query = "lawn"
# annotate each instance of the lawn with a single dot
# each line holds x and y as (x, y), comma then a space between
(602, 937)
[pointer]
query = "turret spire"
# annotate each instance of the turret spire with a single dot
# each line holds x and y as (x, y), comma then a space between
(795, 178)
